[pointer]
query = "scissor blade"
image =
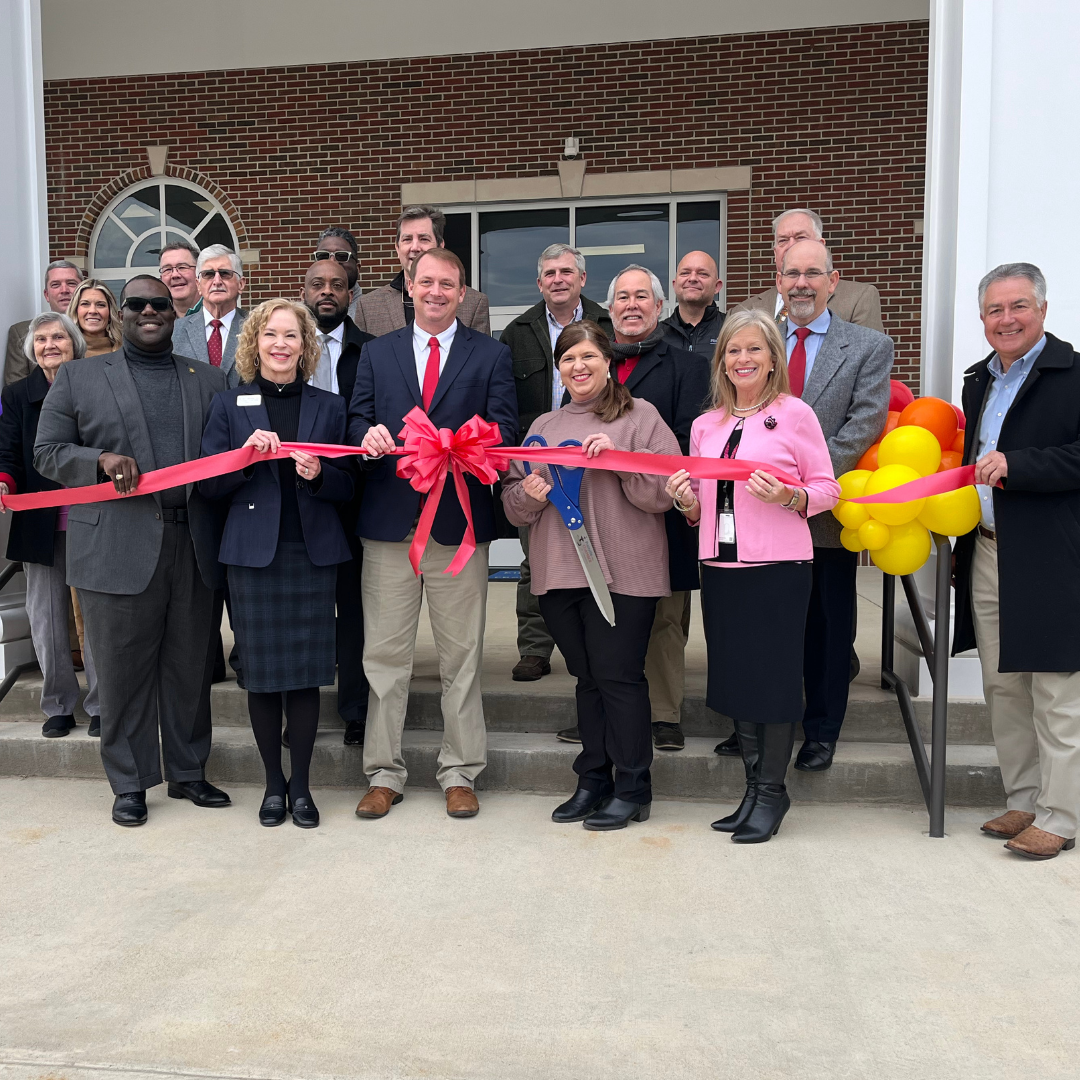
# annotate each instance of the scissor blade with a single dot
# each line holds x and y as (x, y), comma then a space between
(597, 584)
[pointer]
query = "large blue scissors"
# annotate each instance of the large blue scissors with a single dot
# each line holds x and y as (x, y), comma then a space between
(565, 496)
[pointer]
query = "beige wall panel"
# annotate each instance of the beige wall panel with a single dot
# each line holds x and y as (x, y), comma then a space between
(736, 178)
(447, 191)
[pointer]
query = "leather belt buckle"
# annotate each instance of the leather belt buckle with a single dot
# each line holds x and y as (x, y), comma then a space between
(174, 516)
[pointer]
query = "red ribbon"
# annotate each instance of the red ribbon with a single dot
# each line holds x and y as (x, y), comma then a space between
(431, 453)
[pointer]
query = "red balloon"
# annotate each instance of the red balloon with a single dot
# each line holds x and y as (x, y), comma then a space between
(961, 420)
(900, 396)
(869, 459)
(937, 416)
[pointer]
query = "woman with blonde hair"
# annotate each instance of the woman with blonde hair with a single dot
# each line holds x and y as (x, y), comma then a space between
(93, 307)
(756, 556)
(283, 540)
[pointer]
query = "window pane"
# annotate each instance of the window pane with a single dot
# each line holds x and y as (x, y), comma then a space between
(116, 285)
(185, 208)
(215, 231)
(140, 210)
(112, 245)
(148, 251)
(458, 237)
(510, 244)
(613, 237)
(697, 229)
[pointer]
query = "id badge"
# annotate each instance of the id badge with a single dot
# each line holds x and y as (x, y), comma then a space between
(725, 527)
(248, 400)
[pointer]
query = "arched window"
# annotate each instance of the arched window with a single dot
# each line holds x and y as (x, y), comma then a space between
(139, 222)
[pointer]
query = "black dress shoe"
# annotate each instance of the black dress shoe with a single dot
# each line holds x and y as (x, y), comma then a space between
(354, 732)
(199, 792)
(305, 813)
(57, 726)
(272, 812)
(815, 756)
(579, 806)
(569, 734)
(616, 814)
(94, 730)
(130, 808)
(729, 747)
(530, 668)
(667, 736)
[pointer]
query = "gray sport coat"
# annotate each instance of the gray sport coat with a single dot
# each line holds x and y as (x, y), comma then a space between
(848, 389)
(189, 339)
(854, 301)
(93, 408)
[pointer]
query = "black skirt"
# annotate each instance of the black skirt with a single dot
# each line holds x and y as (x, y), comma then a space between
(283, 619)
(755, 622)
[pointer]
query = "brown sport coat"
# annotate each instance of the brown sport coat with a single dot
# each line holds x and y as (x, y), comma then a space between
(382, 312)
(854, 301)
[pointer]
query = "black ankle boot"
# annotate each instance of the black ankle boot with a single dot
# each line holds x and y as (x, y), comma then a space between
(775, 743)
(579, 806)
(748, 747)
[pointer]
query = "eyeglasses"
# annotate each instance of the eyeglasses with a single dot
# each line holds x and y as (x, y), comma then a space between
(791, 276)
(138, 303)
(341, 256)
(179, 268)
(225, 275)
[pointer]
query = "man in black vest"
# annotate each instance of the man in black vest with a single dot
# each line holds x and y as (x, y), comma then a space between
(326, 295)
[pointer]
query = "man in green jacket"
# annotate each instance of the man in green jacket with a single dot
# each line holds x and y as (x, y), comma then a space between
(531, 337)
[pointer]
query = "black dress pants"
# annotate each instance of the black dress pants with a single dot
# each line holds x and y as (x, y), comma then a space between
(152, 668)
(614, 715)
(830, 624)
(352, 697)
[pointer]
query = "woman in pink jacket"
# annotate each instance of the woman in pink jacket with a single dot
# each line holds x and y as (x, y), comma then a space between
(756, 552)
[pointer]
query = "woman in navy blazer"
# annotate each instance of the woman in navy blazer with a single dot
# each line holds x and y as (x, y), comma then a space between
(283, 540)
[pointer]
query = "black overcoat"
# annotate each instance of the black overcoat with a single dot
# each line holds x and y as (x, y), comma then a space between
(1036, 516)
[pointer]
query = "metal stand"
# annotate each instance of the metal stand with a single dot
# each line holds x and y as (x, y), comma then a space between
(934, 647)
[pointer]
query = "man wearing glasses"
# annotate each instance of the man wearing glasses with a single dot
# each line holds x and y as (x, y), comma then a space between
(339, 245)
(210, 335)
(176, 267)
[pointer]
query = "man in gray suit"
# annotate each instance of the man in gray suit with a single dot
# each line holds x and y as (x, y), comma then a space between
(854, 301)
(145, 567)
(211, 334)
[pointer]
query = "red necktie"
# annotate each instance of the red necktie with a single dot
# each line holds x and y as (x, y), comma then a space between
(431, 372)
(797, 363)
(213, 342)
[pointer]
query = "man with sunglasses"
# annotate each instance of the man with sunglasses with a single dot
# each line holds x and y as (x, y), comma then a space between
(339, 245)
(145, 566)
(210, 335)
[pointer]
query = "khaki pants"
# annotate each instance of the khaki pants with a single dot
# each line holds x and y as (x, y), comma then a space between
(665, 662)
(1035, 716)
(457, 607)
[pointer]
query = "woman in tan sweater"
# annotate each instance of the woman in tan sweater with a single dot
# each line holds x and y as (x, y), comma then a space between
(624, 517)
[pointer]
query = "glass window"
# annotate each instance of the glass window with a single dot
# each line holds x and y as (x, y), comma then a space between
(458, 239)
(215, 231)
(510, 243)
(612, 237)
(697, 228)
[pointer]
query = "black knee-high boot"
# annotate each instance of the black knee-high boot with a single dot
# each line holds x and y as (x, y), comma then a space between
(748, 747)
(771, 803)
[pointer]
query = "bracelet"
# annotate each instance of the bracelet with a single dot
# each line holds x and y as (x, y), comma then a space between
(684, 509)
(793, 504)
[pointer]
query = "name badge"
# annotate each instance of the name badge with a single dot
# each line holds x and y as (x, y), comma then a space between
(725, 527)
(249, 399)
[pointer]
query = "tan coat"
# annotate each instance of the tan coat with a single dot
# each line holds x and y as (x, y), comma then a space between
(382, 312)
(854, 301)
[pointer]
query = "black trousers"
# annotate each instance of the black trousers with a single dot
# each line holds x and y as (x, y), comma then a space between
(830, 624)
(153, 666)
(352, 698)
(614, 716)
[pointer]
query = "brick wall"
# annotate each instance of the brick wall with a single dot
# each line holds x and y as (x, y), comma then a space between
(831, 118)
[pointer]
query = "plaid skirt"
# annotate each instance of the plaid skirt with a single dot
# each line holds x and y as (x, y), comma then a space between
(283, 619)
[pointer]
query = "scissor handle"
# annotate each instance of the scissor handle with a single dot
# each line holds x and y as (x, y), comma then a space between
(533, 440)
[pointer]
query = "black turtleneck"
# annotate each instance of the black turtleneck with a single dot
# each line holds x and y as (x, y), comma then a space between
(158, 388)
(283, 408)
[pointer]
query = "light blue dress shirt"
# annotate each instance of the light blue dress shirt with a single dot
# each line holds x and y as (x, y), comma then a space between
(555, 328)
(1000, 395)
(818, 328)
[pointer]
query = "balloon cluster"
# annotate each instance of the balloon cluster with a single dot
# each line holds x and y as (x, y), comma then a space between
(921, 436)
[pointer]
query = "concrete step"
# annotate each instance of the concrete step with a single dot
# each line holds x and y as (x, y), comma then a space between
(863, 772)
(548, 706)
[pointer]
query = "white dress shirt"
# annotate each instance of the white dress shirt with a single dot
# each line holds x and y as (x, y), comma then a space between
(555, 328)
(226, 321)
(421, 349)
(325, 376)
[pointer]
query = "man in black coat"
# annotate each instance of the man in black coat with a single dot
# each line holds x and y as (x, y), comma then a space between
(677, 383)
(695, 323)
(531, 337)
(327, 296)
(1017, 586)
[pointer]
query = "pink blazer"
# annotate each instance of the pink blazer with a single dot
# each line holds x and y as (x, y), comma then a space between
(766, 532)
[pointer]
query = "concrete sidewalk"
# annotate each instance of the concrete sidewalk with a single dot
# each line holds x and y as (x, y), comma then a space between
(850, 948)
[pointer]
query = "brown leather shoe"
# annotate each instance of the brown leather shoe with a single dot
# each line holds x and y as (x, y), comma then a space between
(1011, 823)
(377, 802)
(1035, 843)
(530, 668)
(461, 802)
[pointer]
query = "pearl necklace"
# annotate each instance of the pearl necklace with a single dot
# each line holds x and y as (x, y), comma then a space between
(751, 408)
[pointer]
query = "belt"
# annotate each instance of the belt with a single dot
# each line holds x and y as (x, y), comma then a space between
(990, 534)
(174, 516)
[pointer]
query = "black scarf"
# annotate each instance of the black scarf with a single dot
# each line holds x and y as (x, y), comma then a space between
(624, 349)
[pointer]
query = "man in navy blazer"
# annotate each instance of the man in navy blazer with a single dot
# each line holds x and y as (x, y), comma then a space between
(453, 373)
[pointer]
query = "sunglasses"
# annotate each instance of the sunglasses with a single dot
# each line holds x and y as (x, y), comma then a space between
(225, 275)
(341, 256)
(138, 303)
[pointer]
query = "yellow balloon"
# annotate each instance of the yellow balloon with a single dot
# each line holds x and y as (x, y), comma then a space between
(912, 446)
(849, 538)
(851, 487)
(890, 476)
(874, 534)
(908, 548)
(952, 513)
